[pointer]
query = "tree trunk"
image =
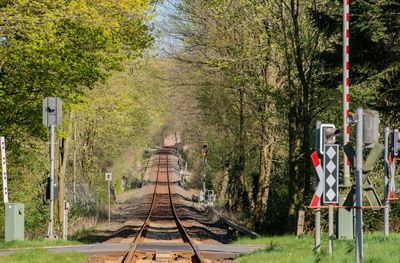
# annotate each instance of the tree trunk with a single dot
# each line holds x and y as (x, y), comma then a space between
(304, 111)
(294, 149)
(264, 179)
(61, 176)
(242, 160)
(224, 182)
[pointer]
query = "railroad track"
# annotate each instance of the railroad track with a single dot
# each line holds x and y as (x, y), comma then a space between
(162, 209)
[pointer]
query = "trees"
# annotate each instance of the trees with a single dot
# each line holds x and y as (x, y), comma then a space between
(265, 56)
(57, 48)
(374, 52)
(64, 49)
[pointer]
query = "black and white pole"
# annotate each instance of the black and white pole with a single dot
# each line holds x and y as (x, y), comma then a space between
(386, 182)
(359, 166)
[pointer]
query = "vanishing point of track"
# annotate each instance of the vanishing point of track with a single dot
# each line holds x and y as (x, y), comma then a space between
(161, 213)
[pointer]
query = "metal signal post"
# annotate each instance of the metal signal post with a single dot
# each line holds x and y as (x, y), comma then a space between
(51, 230)
(359, 174)
(52, 117)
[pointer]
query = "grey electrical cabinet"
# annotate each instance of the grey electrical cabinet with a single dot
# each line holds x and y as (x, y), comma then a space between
(14, 221)
(345, 217)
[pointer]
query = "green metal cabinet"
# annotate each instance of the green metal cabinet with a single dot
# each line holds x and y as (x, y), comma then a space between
(14, 221)
(344, 221)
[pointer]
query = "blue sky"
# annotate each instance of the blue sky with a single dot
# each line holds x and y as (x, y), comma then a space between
(165, 43)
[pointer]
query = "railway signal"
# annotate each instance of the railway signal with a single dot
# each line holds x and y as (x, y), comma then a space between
(327, 135)
(52, 117)
(204, 150)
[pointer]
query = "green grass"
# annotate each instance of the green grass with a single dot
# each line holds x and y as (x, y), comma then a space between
(37, 243)
(44, 256)
(298, 250)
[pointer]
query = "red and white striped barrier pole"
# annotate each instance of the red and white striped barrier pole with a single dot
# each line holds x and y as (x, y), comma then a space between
(392, 188)
(346, 65)
(4, 169)
(320, 174)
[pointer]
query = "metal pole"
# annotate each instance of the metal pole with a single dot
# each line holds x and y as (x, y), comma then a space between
(386, 182)
(318, 210)
(204, 183)
(109, 203)
(51, 232)
(330, 222)
(359, 165)
(346, 11)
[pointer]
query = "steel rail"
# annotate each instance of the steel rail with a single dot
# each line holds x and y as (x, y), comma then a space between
(185, 236)
(132, 249)
(182, 230)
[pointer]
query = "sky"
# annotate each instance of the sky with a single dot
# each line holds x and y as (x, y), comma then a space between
(165, 43)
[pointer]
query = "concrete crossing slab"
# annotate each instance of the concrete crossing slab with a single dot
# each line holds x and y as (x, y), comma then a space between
(109, 247)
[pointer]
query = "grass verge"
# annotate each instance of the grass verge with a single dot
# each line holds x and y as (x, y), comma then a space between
(37, 243)
(283, 249)
(44, 256)
(131, 196)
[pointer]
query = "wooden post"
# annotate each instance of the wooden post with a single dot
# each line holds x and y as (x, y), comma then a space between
(300, 223)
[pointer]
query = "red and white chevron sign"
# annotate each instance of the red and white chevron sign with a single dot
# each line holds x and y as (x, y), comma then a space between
(392, 187)
(4, 169)
(320, 174)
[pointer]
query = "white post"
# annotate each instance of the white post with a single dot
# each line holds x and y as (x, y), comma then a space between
(386, 183)
(65, 224)
(4, 169)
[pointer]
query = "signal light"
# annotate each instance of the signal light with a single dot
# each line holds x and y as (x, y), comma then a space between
(327, 135)
(204, 150)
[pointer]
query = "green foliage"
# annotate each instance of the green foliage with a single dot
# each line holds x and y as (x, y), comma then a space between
(257, 74)
(114, 124)
(65, 49)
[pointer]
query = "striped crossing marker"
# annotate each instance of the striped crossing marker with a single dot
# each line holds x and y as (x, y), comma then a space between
(320, 174)
(392, 187)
